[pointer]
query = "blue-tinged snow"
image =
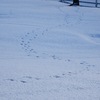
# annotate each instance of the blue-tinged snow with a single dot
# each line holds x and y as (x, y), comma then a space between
(49, 51)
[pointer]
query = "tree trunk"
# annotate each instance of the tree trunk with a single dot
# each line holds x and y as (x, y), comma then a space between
(75, 2)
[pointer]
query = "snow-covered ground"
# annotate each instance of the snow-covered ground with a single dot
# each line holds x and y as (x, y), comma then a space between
(49, 51)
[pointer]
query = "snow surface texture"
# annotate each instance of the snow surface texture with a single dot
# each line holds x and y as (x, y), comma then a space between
(49, 51)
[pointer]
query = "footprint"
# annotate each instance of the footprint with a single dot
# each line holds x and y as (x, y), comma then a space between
(28, 42)
(69, 73)
(21, 43)
(28, 33)
(63, 74)
(31, 49)
(54, 57)
(28, 77)
(82, 63)
(69, 60)
(23, 81)
(37, 78)
(10, 79)
(37, 56)
(57, 76)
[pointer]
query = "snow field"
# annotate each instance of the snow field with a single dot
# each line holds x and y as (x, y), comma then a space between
(49, 51)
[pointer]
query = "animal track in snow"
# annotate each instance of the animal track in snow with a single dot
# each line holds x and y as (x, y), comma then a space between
(26, 43)
(23, 81)
(11, 80)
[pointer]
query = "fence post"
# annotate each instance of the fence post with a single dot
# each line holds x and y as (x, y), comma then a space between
(96, 3)
(62, 0)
